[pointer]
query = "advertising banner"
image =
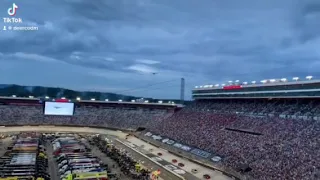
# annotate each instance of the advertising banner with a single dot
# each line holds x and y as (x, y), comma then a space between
(178, 145)
(168, 141)
(201, 153)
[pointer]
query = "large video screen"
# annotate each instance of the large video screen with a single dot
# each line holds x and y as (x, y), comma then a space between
(59, 108)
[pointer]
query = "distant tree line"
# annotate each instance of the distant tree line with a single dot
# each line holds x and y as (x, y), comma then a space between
(42, 92)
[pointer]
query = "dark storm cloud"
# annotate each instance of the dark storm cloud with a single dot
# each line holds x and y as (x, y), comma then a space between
(116, 44)
(104, 10)
(307, 20)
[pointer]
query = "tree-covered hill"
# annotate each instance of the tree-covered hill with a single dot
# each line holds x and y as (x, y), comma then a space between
(52, 92)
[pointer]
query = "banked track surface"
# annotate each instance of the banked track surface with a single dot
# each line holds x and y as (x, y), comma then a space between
(96, 130)
(121, 135)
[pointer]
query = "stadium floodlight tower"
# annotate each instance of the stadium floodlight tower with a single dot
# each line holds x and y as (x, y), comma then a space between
(295, 78)
(253, 82)
(283, 80)
(182, 89)
(309, 77)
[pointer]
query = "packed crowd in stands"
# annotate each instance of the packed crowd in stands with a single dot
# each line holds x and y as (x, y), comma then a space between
(286, 144)
(105, 117)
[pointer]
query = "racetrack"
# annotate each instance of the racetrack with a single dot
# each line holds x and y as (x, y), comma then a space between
(166, 174)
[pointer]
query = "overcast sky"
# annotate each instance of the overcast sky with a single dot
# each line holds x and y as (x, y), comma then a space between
(117, 45)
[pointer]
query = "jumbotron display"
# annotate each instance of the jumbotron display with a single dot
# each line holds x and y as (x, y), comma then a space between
(59, 108)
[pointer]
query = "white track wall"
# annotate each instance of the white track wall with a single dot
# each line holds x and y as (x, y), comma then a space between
(4, 129)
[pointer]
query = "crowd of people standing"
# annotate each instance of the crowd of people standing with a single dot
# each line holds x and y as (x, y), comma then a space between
(285, 143)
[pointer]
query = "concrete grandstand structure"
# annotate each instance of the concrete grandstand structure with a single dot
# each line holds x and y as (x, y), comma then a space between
(266, 131)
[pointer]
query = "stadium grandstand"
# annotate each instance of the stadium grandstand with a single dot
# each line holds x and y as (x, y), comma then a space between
(261, 131)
